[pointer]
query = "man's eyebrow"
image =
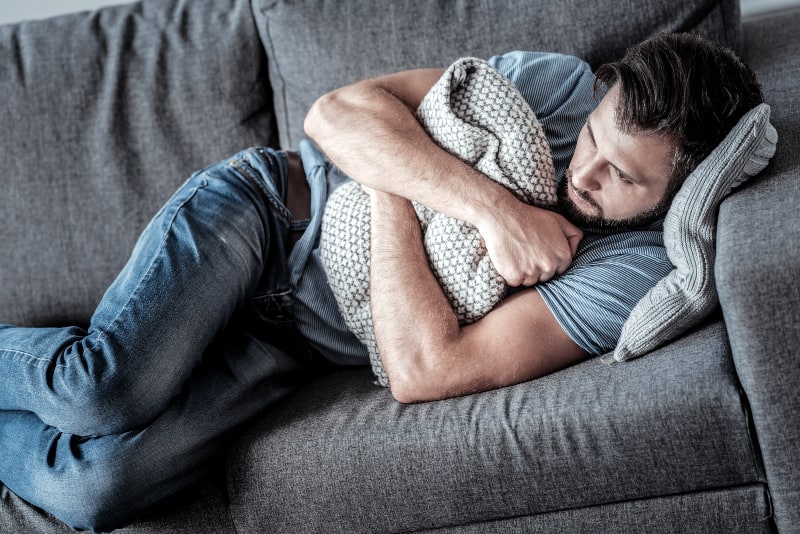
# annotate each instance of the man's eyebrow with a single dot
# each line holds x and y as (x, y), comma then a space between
(622, 173)
(589, 129)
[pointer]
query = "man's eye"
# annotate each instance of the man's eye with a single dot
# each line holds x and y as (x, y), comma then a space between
(621, 176)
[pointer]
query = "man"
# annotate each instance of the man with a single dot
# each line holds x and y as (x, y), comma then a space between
(166, 370)
(670, 102)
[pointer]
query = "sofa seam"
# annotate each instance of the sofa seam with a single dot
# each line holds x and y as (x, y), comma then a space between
(265, 36)
(758, 484)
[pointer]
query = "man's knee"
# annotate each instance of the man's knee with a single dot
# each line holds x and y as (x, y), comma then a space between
(90, 399)
(106, 409)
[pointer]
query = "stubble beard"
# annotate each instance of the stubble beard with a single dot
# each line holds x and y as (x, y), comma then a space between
(578, 217)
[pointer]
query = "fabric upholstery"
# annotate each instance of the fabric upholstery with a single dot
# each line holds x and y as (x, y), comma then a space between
(687, 295)
(758, 268)
(105, 114)
(316, 46)
(695, 513)
(18, 516)
(200, 510)
(589, 435)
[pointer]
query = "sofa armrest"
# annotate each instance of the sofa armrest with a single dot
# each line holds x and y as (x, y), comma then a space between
(758, 269)
(758, 278)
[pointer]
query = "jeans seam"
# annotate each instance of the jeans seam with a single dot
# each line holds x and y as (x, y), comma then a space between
(273, 204)
(12, 352)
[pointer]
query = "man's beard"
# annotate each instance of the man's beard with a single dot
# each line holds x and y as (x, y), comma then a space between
(568, 209)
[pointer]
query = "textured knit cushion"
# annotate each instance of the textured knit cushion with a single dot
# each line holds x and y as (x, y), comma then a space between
(475, 113)
(687, 294)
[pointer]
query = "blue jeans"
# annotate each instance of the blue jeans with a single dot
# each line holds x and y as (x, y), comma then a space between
(98, 424)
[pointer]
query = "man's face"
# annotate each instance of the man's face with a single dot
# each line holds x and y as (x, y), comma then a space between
(616, 180)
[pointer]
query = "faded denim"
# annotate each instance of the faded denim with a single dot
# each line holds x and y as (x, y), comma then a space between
(97, 424)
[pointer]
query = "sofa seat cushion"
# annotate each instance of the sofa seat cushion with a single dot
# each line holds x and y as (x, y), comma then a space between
(342, 454)
(740, 510)
(200, 509)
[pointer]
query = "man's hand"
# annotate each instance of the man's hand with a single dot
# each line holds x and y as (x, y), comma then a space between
(528, 245)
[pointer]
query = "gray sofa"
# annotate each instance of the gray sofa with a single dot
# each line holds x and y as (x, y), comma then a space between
(104, 114)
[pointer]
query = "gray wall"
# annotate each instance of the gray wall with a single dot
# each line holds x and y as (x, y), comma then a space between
(16, 10)
(751, 7)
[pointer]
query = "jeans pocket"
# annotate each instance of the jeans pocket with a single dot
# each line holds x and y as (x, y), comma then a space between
(275, 309)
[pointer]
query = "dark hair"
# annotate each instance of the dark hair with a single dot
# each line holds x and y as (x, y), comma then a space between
(685, 88)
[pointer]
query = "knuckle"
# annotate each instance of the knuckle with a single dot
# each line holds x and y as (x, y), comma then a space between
(548, 267)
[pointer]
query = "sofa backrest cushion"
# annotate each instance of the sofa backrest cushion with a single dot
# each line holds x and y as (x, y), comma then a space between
(315, 46)
(104, 115)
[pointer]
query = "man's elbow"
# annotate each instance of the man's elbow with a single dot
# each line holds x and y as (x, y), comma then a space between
(330, 115)
(404, 382)
(403, 394)
(417, 379)
(315, 123)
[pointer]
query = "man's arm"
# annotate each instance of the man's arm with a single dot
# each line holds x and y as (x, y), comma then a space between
(425, 352)
(370, 131)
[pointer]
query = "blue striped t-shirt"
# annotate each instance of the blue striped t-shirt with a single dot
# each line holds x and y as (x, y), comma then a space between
(591, 301)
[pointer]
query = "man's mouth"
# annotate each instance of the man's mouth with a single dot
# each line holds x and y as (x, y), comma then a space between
(582, 199)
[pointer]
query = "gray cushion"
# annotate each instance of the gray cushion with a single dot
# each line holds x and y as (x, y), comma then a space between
(316, 46)
(588, 435)
(18, 516)
(103, 116)
(742, 510)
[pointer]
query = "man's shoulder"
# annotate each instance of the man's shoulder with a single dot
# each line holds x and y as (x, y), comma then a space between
(647, 242)
(610, 273)
(522, 66)
(531, 58)
(559, 90)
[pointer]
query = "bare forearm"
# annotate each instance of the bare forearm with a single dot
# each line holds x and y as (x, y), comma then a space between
(370, 131)
(413, 321)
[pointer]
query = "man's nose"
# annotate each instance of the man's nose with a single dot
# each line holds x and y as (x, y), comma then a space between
(587, 176)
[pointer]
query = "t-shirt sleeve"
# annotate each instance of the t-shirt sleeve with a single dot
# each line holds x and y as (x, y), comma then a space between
(594, 298)
(560, 91)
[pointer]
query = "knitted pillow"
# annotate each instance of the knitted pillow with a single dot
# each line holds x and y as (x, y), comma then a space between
(477, 114)
(687, 294)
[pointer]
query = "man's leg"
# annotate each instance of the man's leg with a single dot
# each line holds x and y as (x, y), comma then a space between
(105, 482)
(194, 265)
